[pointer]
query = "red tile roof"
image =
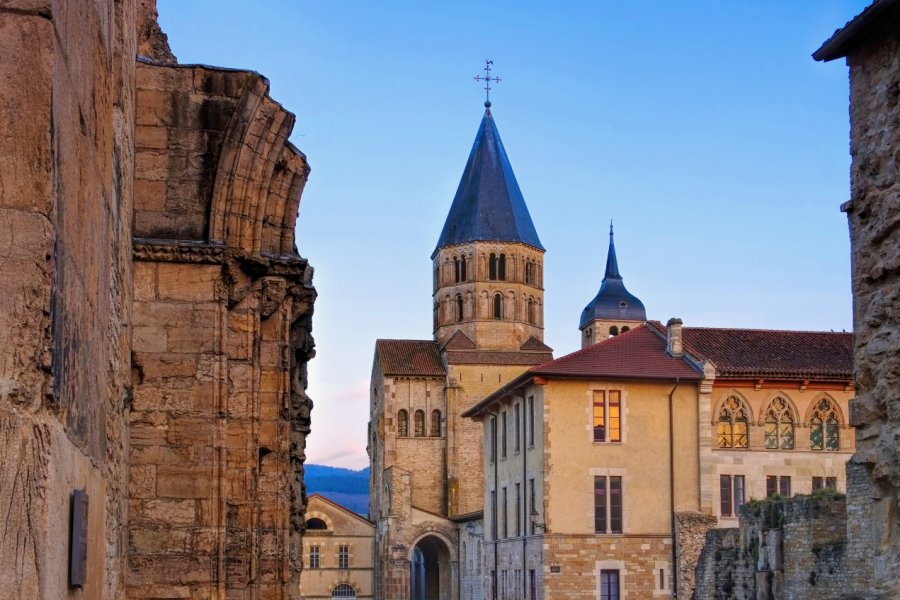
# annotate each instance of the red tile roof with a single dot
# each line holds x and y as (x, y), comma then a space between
(496, 357)
(535, 344)
(410, 357)
(639, 353)
(766, 353)
(460, 341)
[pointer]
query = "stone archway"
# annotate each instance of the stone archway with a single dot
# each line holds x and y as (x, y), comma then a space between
(429, 569)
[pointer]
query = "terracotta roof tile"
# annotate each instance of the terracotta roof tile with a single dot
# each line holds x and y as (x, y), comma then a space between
(766, 353)
(535, 344)
(410, 357)
(460, 341)
(639, 353)
(493, 357)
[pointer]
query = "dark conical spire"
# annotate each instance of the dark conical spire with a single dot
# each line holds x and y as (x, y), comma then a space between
(613, 301)
(488, 205)
(612, 265)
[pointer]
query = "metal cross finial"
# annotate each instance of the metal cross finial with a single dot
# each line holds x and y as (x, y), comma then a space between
(487, 79)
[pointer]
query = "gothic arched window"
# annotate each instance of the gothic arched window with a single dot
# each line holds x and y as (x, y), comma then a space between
(435, 423)
(459, 308)
(501, 267)
(492, 266)
(402, 423)
(779, 425)
(498, 306)
(733, 424)
(824, 427)
(420, 423)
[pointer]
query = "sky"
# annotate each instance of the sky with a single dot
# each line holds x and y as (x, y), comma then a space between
(703, 129)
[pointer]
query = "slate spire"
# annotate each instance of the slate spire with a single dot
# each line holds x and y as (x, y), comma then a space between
(488, 205)
(613, 301)
(612, 265)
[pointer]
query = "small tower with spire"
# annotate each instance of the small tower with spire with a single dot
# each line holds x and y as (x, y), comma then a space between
(614, 309)
(489, 262)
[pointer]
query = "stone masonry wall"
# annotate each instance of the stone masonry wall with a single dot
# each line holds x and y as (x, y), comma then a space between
(66, 160)
(222, 313)
(690, 532)
(790, 550)
(874, 217)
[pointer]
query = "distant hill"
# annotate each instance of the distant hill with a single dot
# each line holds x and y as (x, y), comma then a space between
(348, 488)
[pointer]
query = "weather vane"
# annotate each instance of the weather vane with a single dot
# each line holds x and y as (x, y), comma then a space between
(487, 79)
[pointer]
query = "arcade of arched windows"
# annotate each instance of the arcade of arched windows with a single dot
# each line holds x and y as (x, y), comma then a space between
(495, 305)
(780, 424)
(436, 426)
(494, 265)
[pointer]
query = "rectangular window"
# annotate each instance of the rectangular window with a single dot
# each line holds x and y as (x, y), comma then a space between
(607, 504)
(607, 416)
(615, 422)
(503, 434)
(313, 557)
(505, 517)
(780, 485)
(831, 483)
(493, 514)
(731, 494)
(531, 421)
(518, 510)
(532, 585)
(517, 419)
(493, 439)
(818, 483)
(533, 507)
(493, 584)
(609, 585)
(784, 486)
(343, 557)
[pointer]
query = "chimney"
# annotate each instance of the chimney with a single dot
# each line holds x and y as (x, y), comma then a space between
(673, 337)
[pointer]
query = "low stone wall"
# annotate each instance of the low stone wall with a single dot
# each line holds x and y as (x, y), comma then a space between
(784, 549)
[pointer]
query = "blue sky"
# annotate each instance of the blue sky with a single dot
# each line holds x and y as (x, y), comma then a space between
(703, 129)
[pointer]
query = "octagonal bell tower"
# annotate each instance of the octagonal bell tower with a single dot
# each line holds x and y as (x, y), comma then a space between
(489, 262)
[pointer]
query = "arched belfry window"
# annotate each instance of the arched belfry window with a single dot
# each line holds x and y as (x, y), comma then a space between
(435, 423)
(492, 266)
(459, 308)
(733, 424)
(779, 425)
(498, 306)
(529, 272)
(624, 329)
(420, 423)
(824, 427)
(613, 331)
(501, 267)
(460, 268)
(532, 318)
(402, 423)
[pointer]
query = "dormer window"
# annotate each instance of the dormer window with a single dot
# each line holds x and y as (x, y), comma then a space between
(623, 304)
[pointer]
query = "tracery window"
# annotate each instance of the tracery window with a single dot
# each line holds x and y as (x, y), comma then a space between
(779, 425)
(498, 306)
(402, 423)
(824, 427)
(733, 423)
(420, 423)
(435, 423)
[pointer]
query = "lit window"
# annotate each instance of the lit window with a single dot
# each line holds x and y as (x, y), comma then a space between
(313, 557)
(343, 557)
(402, 423)
(607, 416)
(733, 422)
(824, 427)
(779, 425)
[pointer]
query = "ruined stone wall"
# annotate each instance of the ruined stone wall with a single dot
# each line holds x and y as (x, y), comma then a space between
(66, 163)
(783, 550)
(690, 536)
(222, 313)
(874, 216)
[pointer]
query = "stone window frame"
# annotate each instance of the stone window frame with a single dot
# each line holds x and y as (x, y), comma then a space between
(623, 411)
(315, 556)
(343, 587)
(419, 423)
(664, 568)
(402, 423)
(745, 407)
(789, 409)
(610, 565)
(734, 506)
(437, 427)
(626, 512)
(839, 422)
(343, 556)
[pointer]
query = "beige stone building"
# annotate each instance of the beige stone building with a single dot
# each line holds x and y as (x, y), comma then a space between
(604, 468)
(426, 485)
(155, 316)
(338, 552)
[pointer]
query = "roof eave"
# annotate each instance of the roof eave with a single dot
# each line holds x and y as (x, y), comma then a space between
(840, 43)
(479, 409)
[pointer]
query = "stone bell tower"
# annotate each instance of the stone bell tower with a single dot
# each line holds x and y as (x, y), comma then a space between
(489, 262)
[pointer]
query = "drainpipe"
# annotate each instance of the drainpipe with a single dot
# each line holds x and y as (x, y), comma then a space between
(672, 487)
(494, 525)
(523, 504)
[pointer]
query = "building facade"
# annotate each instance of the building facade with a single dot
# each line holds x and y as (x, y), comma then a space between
(337, 552)
(604, 469)
(488, 328)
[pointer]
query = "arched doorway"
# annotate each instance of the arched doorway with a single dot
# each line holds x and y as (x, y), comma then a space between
(430, 569)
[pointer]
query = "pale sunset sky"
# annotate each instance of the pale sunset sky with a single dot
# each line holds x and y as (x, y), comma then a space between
(702, 128)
